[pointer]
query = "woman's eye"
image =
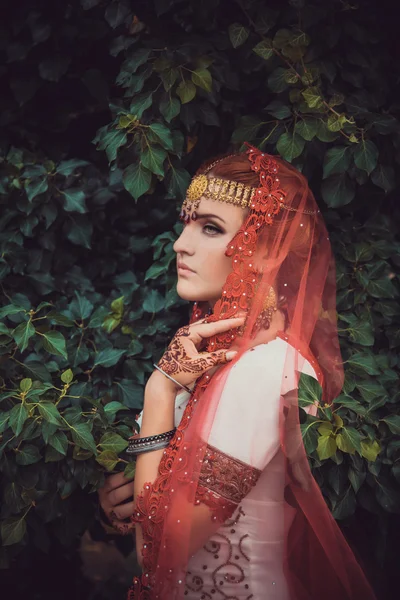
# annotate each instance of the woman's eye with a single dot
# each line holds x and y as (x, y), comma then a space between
(212, 229)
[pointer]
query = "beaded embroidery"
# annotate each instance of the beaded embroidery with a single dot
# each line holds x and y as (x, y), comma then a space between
(224, 481)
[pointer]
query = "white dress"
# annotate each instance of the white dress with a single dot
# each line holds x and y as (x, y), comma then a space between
(243, 559)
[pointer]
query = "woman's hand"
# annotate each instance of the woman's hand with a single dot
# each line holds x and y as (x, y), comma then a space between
(184, 362)
(113, 498)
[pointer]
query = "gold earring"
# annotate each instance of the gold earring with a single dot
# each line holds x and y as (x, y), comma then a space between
(264, 319)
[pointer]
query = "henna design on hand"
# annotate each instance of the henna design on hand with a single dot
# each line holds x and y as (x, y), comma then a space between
(121, 527)
(176, 360)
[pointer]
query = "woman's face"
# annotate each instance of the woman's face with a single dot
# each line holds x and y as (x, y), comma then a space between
(201, 262)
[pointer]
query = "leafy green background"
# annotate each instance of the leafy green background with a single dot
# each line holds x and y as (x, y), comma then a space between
(107, 109)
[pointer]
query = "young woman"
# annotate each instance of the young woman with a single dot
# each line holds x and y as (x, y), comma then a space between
(225, 506)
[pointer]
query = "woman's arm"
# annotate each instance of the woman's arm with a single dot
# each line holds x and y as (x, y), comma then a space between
(158, 417)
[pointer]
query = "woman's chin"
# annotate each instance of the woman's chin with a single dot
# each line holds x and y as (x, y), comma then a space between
(185, 293)
(189, 292)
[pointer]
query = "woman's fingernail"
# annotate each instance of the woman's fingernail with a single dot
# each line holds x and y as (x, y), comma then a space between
(230, 355)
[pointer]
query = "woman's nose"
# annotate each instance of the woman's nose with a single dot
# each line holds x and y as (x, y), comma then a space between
(184, 243)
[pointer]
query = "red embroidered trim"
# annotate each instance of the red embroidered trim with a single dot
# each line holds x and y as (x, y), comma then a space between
(241, 283)
(150, 504)
(223, 483)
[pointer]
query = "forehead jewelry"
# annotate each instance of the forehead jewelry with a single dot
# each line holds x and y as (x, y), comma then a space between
(235, 193)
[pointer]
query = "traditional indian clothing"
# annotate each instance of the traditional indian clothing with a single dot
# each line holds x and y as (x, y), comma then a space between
(238, 448)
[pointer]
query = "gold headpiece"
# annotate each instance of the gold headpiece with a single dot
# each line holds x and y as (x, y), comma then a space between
(221, 190)
(232, 192)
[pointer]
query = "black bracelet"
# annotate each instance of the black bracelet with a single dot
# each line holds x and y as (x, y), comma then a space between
(153, 442)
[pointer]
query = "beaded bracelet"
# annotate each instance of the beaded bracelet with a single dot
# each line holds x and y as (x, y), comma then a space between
(147, 444)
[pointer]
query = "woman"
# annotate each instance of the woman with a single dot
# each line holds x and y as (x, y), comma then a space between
(225, 505)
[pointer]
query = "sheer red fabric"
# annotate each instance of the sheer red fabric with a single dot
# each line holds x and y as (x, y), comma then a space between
(283, 243)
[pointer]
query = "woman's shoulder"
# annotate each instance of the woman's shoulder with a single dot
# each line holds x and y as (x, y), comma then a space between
(270, 358)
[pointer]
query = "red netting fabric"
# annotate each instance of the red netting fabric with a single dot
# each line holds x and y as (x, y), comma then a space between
(282, 242)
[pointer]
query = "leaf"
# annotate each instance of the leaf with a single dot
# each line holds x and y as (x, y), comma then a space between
(238, 34)
(25, 385)
(111, 322)
(393, 422)
(130, 393)
(162, 135)
(307, 128)
(49, 412)
(153, 159)
(352, 437)
(153, 302)
(112, 408)
(370, 389)
(54, 342)
(264, 49)
(137, 180)
(388, 498)
(310, 391)
(74, 200)
(170, 108)
(81, 308)
(202, 78)
(111, 142)
(370, 449)
(141, 103)
(290, 146)
(83, 437)
(312, 97)
(117, 306)
(363, 362)
(22, 334)
(35, 188)
(67, 167)
(54, 67)
(325, 429)
(10, 309)
(186, 91)
(336, 160)
(310, 436)
(79, 231)
(108, 357)
(18, 416)
(116, 13)
(113, 442)
(12, 530)
(366, 156)
(59, 442)
(276, 80)
(247, 129)
(337, 190)
(278, 109)
(356, 478)
(4, 416)
(28, 454)
(326, 447)
(384, 177)
(345, 505)
(129, 472)
(178, 184)
(107, 459)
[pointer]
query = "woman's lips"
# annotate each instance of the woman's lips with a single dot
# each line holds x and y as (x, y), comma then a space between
(184, 269)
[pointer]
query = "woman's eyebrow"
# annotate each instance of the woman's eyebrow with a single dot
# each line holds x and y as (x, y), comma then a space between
(209, 216)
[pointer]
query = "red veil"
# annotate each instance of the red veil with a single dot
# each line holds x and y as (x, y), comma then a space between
(283, 241)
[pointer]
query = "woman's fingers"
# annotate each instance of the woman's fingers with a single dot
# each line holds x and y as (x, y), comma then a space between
(116, 480)
(121, 494)
(123, 511)
(205, 330)
(219, 357)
